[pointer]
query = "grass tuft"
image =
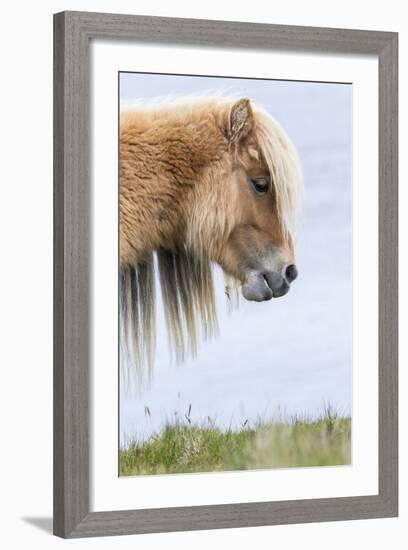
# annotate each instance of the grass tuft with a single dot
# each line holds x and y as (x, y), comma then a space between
(293, 443)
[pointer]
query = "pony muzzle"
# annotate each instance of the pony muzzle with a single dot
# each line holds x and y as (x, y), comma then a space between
(264, 285)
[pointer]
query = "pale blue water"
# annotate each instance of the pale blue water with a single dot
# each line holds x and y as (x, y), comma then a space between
(293, 354)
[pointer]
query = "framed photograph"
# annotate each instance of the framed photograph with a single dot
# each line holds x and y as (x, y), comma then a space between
(225, 274)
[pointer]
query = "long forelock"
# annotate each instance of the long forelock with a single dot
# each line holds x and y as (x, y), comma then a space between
(284, 168)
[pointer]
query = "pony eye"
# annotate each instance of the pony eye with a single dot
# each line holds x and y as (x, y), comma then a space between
(260, 185)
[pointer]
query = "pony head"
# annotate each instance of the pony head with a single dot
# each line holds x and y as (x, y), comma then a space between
(243, 211)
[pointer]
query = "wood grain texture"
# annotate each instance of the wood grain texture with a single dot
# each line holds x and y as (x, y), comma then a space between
(168, 30)
(71, 283)
(388, 273)
(72, 202)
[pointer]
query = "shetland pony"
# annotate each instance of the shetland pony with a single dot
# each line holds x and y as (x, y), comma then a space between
(201, 181)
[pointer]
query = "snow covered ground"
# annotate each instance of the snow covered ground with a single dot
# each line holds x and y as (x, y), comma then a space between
(293, 354)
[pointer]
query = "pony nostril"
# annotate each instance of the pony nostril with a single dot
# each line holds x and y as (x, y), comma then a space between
(291, 273)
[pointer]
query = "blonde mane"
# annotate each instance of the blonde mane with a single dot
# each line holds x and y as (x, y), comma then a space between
(284, 167)
(185, 274)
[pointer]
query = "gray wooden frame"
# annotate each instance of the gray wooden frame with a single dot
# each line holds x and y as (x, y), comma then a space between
(72, 34)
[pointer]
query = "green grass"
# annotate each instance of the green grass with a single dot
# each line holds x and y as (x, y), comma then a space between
(184, 448)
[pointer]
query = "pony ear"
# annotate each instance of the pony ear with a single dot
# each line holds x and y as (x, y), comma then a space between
(240, 120)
